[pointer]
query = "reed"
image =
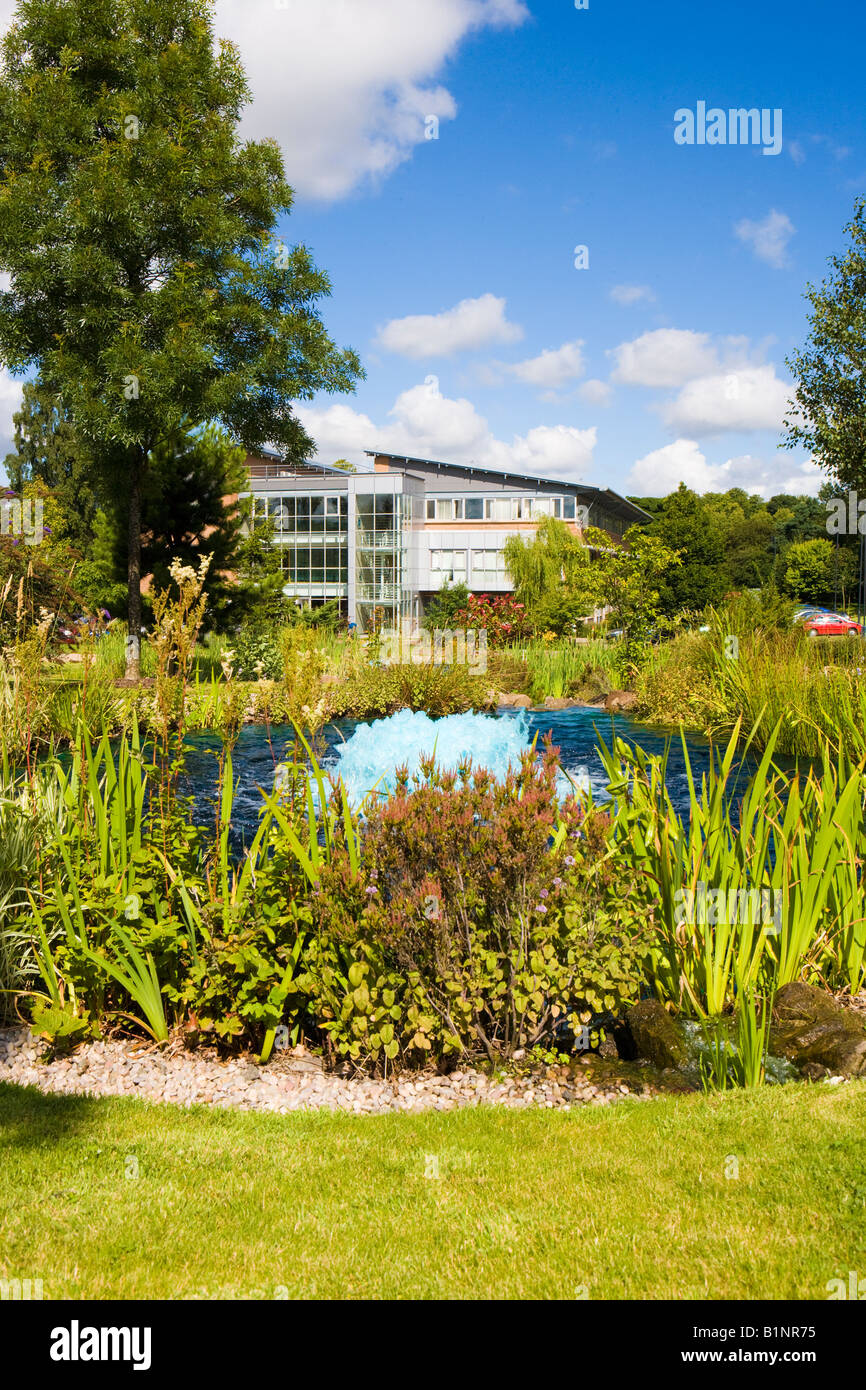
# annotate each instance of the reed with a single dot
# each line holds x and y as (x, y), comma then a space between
(762, 889)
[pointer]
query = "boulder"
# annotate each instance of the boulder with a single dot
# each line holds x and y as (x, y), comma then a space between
(815, 1033)
(655, 1035)
(515, 701)
(557, 702)
(619, 700)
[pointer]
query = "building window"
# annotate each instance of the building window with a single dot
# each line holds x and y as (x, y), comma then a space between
(498, 508)
(315, 565)
(448, 564)
(444, 508)
(568, 508)
(488, 567)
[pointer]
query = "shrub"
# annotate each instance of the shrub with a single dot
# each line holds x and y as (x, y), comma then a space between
(257, 655)
(472, 924)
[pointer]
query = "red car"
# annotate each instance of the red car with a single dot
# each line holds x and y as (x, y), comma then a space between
(832, 625)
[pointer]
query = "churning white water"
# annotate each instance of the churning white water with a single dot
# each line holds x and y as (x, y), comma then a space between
(371, 757)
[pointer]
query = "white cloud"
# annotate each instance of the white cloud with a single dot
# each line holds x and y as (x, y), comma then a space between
(425, 424)
(631, 294)
(10, 400)
(595, 392)
(552, 368)
(664, 357)
(470, 324)
(746, 398)
(769, 238)
(796, 151)
(662, 471)
(347, 86)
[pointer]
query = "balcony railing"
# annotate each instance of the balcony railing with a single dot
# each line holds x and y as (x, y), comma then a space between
(380, 593)
(379, 540)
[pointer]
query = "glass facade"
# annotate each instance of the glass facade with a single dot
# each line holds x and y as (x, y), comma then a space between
(381, 539)
(312, 533)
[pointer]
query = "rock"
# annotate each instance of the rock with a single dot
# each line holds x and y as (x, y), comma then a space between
(619, 700)
(557, 702)
(514, 701)
(655, 1035)
(812, 1031)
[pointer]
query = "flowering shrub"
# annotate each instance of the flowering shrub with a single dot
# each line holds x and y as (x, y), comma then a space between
(504, 619)
(469, 927)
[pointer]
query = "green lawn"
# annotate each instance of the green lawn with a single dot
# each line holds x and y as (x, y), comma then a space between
(630, 1201)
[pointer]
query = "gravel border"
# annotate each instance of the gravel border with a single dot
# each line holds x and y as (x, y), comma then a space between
(291, 1081)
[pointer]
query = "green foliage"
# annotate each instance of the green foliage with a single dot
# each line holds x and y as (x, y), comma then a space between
(554, 577)
(740, 1060)
(815, 569)
(799, 840)
(631, 577)
(147, 282)
(48, 450)
(257, 655)
(685, 525)
(567, 670)
(376, 691)
(472, 922)
(830, 371)
(813, 689)
(61, 1025)
(445, 605)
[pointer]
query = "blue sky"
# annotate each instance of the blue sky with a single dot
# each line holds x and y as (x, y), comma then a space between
(563, 135)
(452, 259)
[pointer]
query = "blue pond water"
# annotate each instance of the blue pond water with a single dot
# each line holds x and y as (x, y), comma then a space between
(367, 754)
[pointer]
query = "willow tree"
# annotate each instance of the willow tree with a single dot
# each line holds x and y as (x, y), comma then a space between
(140, 235)
(553, 574)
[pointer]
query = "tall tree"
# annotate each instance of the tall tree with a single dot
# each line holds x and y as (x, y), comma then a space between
(829, 413)
(147, 281)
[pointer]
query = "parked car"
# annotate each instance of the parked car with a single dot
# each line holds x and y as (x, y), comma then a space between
(832, 625)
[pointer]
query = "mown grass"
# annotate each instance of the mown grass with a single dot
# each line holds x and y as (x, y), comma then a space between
(625, 1202)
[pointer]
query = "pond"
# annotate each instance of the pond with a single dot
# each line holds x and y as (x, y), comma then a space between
(366, 754)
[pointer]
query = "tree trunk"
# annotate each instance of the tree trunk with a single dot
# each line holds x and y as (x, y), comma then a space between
(133, 639)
